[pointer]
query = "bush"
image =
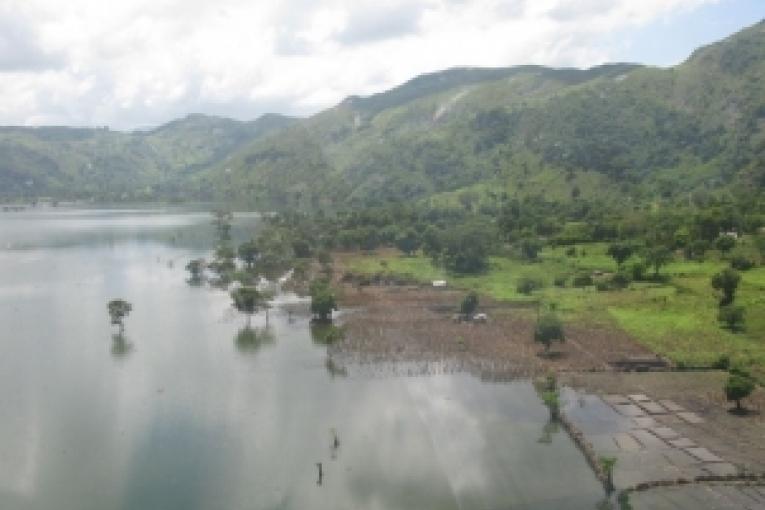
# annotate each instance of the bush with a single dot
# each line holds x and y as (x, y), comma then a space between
(528, 284)
(741, 263)
(602, 285)
(582, 280)
(732, 317)
(620, 280)
(637, 271)
(469, 304)
(560, 281)
(571, 251)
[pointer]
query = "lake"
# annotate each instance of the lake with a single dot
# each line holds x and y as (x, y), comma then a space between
(181, 415)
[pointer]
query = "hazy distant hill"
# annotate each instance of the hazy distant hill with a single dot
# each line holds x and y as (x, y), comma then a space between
(77, 162)
(606, 133)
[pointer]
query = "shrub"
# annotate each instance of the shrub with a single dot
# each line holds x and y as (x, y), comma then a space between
(741, 263)
(637, 271)
(582, 280)
(560, 281)
(602, 285)
(571, 251)
(732, 317)
(469, 304)
(620, 280)
(528, 284)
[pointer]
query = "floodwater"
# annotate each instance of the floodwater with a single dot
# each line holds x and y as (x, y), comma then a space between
(183, 415)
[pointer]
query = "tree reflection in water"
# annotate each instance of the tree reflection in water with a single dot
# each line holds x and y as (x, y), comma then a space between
(121, 346)
(249, 340)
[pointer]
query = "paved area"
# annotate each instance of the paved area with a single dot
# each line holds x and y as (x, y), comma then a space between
(700, 497)
(635, 430)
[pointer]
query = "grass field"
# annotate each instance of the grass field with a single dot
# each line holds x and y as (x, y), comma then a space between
(677, 318)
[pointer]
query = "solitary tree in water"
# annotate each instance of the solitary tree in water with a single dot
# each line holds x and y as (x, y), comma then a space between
(118, 310)
(249, 300)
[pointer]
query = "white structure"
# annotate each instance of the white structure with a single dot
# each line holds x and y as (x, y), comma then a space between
(439, 284)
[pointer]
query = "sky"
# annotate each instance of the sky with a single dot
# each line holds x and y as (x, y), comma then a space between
(131, 64)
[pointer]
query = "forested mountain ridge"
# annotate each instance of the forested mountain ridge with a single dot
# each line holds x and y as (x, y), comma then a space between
(611, 132)
(103, 164)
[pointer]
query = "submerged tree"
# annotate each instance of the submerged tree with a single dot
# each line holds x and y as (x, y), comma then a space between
(248, 253)
(196, 269)
(323, 301)
(119, 309)
(249, 300)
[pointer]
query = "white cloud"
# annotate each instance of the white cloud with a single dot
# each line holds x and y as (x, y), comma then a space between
(142, 62)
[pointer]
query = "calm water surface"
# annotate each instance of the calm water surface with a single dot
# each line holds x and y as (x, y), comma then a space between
(181, 416)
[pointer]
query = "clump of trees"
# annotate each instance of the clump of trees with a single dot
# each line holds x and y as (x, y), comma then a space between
(731, 316)
(118, 310)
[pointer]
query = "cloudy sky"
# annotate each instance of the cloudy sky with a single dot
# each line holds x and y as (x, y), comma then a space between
(138, 63)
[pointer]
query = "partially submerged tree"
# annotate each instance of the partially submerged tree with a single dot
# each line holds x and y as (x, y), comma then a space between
(726, 281)
(119, 309)
(248, 253)
(249, 300)
(196, 269)
(323, 301)
(549, 329)
(607, 464)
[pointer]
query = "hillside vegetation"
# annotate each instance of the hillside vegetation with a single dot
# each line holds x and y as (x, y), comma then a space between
(610, 132)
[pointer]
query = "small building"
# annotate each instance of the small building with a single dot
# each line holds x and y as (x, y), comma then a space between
(439, 284)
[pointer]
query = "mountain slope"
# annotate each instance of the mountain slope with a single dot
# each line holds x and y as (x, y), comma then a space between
(622, 129)
(610, 133)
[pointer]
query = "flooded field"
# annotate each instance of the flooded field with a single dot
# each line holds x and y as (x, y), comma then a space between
(185, 414)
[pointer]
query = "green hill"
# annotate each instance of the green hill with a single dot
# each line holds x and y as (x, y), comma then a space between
(610, 132)
(77, 162)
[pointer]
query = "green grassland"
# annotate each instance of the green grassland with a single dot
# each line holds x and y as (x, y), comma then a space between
(676, 318)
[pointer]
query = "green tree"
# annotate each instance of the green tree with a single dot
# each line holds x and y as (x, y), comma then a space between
(620, 252)
(323, 301)
(725, 243)
(738, 386)
(528, 284)
(408, 241)
(249, 300)
(726, 281)
(248, 253)
(469, 304)
(549, 329)
(119, 309)
(196, 270)
(657, 257)
(530, 248)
